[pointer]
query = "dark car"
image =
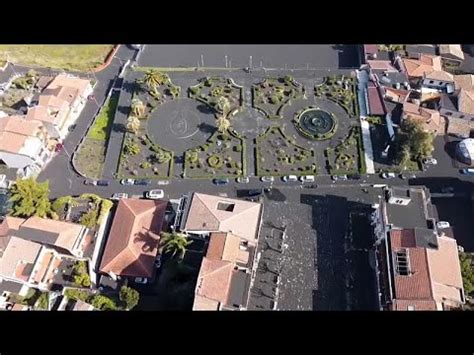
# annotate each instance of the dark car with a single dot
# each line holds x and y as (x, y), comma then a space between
(102, 183)
(255, 192)
(353, 177)
(220, 181)
(58, 147)
(71, 127)
(142, 182)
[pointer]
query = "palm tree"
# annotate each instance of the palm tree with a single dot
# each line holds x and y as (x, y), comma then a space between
(175, 243)
(223, 124)
(138, 107)
(152, 79)
(223, 105)
(133, 124)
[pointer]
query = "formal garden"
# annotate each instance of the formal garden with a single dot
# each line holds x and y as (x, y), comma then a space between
(279, 155)
(341, 90)
(219, 93)
(141, 157)
(272, 94)
(347, 157)
(222, 156)
(21, 88)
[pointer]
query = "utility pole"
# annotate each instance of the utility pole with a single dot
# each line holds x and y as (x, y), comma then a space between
(226, 61)
(202, 60)
(250, 62)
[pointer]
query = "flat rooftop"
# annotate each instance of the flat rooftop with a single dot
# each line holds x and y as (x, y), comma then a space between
(409, 216)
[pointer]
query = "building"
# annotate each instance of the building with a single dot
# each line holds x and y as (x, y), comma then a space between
(60, 103)
(465, 151)
(466, 101)
(132, 245)
(24, 144)
(438, 80)
(464, 81)
(415, 50)
(451, 53)
(425, 64)
(207, 213)
(418, 265)
(459, 124)
(430, 120)
(224, 278)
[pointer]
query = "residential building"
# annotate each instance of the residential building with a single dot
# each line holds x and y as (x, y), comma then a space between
(418, 265)
(24, 144)
(466, 101)
(464, 81)
(417, 68)
(438, 80)
(60, 103)
(451, 53)
(133, 241)
(370, 52)
(459, 124)
(415, 50)
(430, 120)
(224, 278)
(207, 213)
(374, 98)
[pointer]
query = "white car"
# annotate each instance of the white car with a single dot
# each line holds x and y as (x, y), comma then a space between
(388, 175)
(155, 194)
(127, 181)
(290, 178)
(141, 280)
(267, 179)
(243, 179)
(119, 195)
(443, 225)
(163, 182)
(307, 178)
(430, 161)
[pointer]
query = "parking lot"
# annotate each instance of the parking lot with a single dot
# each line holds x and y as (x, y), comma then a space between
(259, 56)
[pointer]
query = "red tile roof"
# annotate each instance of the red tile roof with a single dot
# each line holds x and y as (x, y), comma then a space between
(370, 49)
(376, 105)
(134, 237)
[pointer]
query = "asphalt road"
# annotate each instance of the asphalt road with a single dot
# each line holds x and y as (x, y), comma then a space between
(241, 56)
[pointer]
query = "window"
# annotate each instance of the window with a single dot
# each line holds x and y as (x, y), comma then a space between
(225, 206)
(431, 81)
(402, 262)
(441, 83)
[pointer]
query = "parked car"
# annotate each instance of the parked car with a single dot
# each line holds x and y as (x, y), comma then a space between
(155, 194)
(102, 183)
(342, 177)
(447, 190)
(290, 178)
(135, 46)
(119, 195)
(71, 128)
(267, 179)
(307, 178)
(430, 161)
(354, 177)
(142, 182)
(255, 192)
(58, 147)
(443, 225)
(90, 182)
(243, 179)
(334, 177)
(141, 280)
(467, 171)
(220, 182)
(127, 181)
(163, 182)
(387, 175)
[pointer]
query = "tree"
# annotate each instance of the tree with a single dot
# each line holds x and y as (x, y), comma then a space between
(162, 156)
(175, 243)
(467, 272)
(80, 274)
(103, 303)
(154, 78)
(223, 105)
(415, 140)
(60, 203)
(138, 107)
(30, 198)
(223, 124)
(129, 296)
(133, 124)
(89, 219)
(131, 148)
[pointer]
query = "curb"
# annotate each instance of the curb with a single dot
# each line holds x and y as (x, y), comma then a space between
(108, 59)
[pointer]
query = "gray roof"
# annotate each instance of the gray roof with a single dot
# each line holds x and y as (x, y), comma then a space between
(400, 192)
(390, 79)
(411, 215)
(239, 286)
(10, 286)
(420, 49)
(36, 235)
(426, 238)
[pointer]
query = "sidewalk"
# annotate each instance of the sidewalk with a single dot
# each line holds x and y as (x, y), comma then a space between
(368, 152)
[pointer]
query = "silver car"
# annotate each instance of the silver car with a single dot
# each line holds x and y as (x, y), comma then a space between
(127, 181)
(267, 179)
(243, 179)
(119, 195)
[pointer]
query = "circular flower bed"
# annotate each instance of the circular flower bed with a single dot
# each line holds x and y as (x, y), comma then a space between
(315, 124)
(215, 161)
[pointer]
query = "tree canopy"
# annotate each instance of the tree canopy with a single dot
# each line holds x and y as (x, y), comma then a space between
(467, 272)
(413, 142)
(30, 198)
(129, 296)
(175, 243)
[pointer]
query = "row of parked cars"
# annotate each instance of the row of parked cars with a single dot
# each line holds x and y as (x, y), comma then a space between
(245, 179)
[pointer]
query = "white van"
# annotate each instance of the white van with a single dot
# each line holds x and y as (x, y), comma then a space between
(155, 194)
(290, 178)
(307, 178)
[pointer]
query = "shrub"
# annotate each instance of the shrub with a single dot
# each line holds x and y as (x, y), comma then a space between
(215, 161)
(89, 219)
(105, 207)
(129, 296)
(145, 165)
(103, 303)
(194, 90)
(238, 148)
(274, 99)
(75, 294)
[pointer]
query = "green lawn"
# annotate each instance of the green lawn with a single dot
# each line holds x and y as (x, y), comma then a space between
(68, 57)
(103, 122)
